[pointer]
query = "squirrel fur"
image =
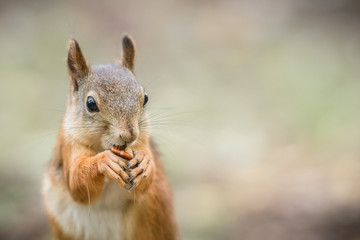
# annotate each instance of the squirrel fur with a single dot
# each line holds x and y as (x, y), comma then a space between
(90, 192)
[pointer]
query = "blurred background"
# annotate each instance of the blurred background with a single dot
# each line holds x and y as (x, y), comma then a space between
(255, 108)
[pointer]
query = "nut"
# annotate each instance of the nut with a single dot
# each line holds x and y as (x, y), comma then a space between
(126, 153)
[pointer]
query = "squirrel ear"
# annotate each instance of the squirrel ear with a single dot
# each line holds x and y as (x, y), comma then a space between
(77, 65)
(128, 56)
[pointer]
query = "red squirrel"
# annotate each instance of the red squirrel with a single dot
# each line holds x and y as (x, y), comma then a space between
(90, 190)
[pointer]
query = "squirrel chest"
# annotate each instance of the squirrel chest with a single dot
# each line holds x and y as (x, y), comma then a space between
(101, 220)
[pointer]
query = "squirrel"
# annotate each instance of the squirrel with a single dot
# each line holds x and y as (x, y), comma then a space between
(89, 189)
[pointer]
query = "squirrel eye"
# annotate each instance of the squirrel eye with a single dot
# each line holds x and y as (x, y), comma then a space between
(146, 98)
(91, 105)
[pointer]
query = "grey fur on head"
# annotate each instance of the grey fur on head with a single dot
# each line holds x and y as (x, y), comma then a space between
(119, 98)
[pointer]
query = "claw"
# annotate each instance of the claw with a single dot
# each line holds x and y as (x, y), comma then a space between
(127, 187)
(130, 179)
(131, 187)
(127, 166)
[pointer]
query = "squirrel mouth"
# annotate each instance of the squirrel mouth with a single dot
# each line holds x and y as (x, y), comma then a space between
(120, 147)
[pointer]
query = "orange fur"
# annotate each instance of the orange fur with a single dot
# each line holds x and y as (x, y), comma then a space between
(81, 196)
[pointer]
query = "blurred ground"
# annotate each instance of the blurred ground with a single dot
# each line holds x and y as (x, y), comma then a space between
(256, 102)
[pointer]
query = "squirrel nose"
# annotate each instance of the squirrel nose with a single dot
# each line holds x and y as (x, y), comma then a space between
(128, 137)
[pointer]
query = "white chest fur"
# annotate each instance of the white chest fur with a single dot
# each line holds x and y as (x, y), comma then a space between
(101, 220)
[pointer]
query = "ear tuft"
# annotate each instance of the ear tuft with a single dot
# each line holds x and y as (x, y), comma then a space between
(77, 65)
(128, 56)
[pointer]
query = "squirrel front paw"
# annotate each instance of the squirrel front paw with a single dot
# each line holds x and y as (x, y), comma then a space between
(139, 169)
(114, 167)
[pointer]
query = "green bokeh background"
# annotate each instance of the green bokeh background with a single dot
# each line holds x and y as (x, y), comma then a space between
(256, 108)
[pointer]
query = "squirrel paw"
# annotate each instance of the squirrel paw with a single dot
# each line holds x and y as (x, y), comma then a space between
(139, 168)
(113, 166)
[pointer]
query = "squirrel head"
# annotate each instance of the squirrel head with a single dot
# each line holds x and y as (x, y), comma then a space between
(106, 103)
